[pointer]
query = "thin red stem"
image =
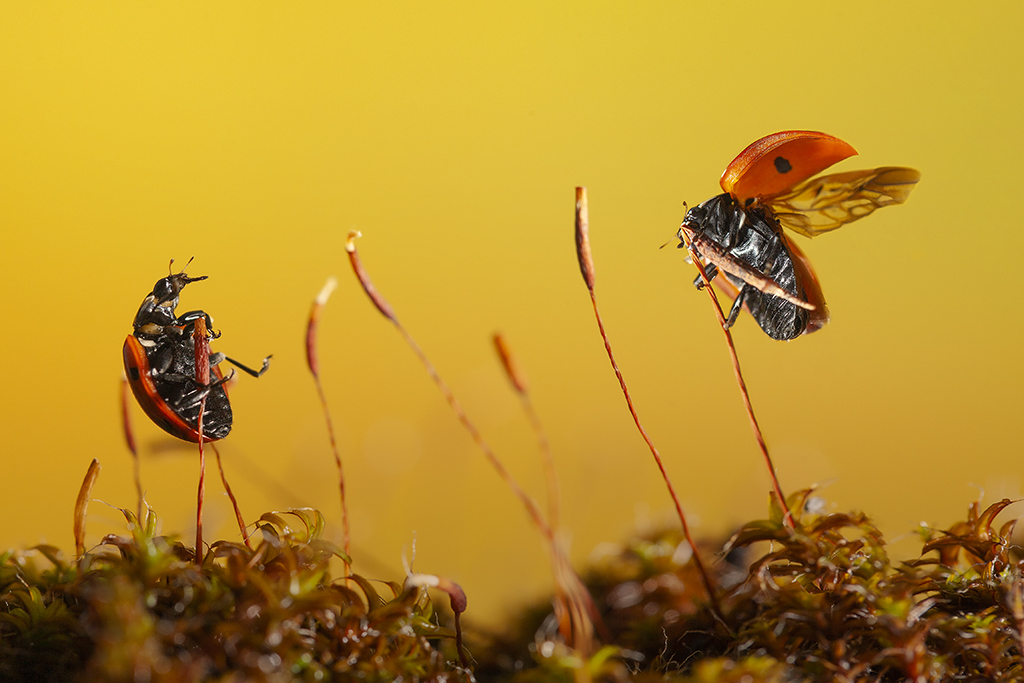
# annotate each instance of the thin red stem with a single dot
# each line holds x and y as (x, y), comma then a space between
(312, 360)
(346, 534)
(787, 517)
(518, 379)
(234, 502)
(531, 506)
(701, 568)
(582, 633)
(129, 437)
(586, 263)
(202, 489)
(574, 606)
(550, 475)
(569, 582)
(202, 369)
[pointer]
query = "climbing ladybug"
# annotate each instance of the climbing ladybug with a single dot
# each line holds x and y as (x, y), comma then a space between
(769, 185)
(159, 361)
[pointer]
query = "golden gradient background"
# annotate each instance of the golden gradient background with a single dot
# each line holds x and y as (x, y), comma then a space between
(254, 136)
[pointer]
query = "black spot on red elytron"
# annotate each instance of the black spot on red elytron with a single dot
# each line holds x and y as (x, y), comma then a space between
(749, 201)
(134, 372)
(782, 165)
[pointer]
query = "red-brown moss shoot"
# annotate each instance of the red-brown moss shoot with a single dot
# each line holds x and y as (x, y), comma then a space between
(242, 528)
(313, 361)
(129, 439)
(522, 386)
(82, 504)
(581, 637)
(385, 308)
(586, 261)
(573, 604)
(202, 360)
(695, 257)
(364, 280)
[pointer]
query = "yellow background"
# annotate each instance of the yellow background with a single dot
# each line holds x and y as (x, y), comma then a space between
(254, 136)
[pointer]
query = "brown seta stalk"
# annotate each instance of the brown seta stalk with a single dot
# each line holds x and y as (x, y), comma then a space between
(312, 360)
(129, 438)
(586, 262)
(582, 630)
(201, 342)
(573, 602)
(202, 360)
(522, 388)
(234, 502)
(787, 517)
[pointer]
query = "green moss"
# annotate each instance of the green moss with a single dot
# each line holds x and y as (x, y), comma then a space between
(138, 608)
(820, 602)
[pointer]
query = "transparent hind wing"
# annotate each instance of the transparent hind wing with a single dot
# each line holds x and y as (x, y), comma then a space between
(824, 203)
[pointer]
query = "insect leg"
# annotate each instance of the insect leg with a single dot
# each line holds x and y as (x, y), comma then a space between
(737, 305)
(254, 373)
(711, 270)
(772, 249)
(742, 271)
(193, 398)
(733, 235)
(188, 322)
(160, 360)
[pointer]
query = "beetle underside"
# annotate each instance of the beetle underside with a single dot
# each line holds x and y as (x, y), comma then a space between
(749, 246)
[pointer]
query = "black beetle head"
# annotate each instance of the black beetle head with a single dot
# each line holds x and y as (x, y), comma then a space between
(168, 288)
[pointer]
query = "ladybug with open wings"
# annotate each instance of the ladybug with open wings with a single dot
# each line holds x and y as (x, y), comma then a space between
(770, 185)
(159, 361)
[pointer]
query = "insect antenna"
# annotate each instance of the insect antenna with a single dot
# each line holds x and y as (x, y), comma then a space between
(187, 279)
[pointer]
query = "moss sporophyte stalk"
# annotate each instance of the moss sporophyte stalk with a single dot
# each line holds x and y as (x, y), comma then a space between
(805, 594)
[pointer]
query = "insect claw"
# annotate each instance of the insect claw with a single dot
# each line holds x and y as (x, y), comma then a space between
(250, 371)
